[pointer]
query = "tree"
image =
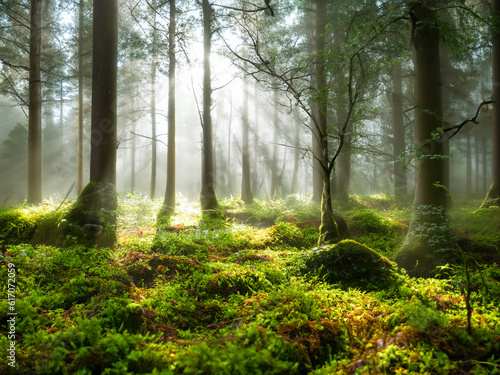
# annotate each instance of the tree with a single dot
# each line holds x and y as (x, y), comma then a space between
(246, 181)
(169, 202)
(152, 189)
(398, 132)
(35, 107)
(79, 147)
(493, 195)
(429, 242)
(95, 208)
(208, 199)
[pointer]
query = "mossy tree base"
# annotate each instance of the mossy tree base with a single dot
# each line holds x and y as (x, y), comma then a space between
(429, 243)
(90, 221)
(492, 199)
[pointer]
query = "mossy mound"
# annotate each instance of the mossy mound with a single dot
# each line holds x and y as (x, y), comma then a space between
(18, 224)
(143, 269)
(287, 234)
(351, 265)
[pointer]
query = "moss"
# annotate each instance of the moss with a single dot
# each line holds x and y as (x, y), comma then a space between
(352, 265)
(377, 232)
(143, 269)
(286, 234)
(18, 224)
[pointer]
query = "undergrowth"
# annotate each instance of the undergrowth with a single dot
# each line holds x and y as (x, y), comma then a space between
(230, 296)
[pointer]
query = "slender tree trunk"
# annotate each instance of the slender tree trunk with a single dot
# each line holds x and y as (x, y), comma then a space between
(484, 148)
(328, 227)
(493, 195)
(35, 107)
(479, 192)
(104, 92)
(169, 203)
(79, 146)
(296, 155)
(469, 166)
(246, 180)
(133, 123)
(398, 131)
(274, 160)
(317, 47)
(429, 242)
(152, 189)
(208, 199)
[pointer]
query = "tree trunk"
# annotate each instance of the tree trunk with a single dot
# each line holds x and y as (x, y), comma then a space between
(328, 227)
(479, 192)
(398, 131)
(152, 189)
(95, 209)
(104, 94)
(493, 195)
(469, 167)
(274, 158)
(429, 242)
(246, 180)
(35, 107)
(79, 147)
(208, 199)
(169, 202)
(296, 154)
(133, 123)
(317, 46)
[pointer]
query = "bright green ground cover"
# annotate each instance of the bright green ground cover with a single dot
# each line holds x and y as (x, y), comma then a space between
(229, 297)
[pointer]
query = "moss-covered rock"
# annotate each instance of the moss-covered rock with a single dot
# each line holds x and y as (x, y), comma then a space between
(351, 265)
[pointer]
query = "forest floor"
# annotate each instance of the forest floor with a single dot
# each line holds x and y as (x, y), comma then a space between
(229, 297)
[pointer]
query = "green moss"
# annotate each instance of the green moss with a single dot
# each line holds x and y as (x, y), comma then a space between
(286, 234)
(352, 265)
(18, 224)
(143, 269)
(375, 231)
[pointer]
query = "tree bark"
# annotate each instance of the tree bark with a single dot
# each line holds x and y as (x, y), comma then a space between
(169, 202)
(493, 195)
(35, 107)
(328, 227)
(104, 92)
(152, 189)
(429, 242)
(469, 167)
(246, 180)
(79, 146)
(208, 199)
(317, 47)
(398, 132)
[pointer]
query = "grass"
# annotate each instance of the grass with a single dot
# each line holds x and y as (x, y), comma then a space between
(230, 296)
